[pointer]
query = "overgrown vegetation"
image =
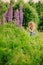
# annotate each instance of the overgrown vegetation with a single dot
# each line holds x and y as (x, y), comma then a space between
(32, 12)
(39, 8)
(3, 8)
(18, 48)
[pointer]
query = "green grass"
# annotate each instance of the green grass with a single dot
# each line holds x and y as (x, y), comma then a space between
(41, 35)
(18, 48)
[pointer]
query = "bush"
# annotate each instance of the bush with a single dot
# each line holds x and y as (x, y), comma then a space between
(3, 8)
(40, 25)
(39, 8)
(18, 48)
(30, 13)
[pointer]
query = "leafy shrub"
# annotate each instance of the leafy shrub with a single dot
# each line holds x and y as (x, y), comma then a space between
(39, 8)
(3, 8)
(18, 48)
(40, 25)
(30, 13)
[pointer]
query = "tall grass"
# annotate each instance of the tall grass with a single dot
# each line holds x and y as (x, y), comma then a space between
(18, 48)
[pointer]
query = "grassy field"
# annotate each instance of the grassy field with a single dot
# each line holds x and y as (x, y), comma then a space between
(41, 35)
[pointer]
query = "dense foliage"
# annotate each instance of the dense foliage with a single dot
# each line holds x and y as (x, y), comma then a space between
(18, 48)
(29, 12)
(3, 8)
(39, 8)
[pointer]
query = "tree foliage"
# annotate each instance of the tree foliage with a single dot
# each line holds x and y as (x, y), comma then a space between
(3, 8)
(39, 8)
(29, 12)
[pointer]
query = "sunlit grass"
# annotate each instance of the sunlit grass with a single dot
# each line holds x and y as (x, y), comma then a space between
(41, 35)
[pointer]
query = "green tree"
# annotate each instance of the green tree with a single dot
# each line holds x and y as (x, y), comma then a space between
(32, 4)
(39, 8)
(29, 13)
(3, 8)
